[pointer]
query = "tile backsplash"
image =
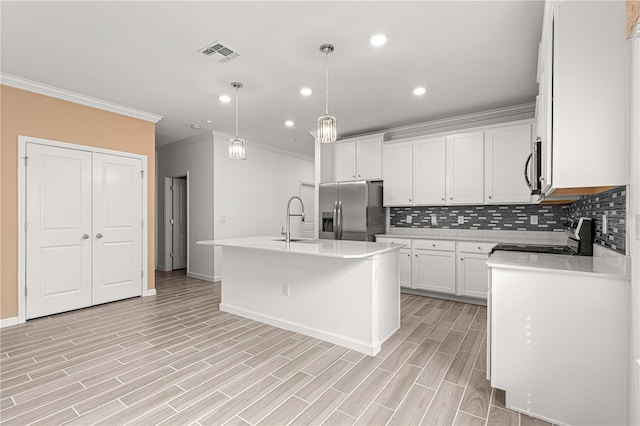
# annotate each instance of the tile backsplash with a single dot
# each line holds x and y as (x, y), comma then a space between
(499, 217)
(613, 203)
(550, 217)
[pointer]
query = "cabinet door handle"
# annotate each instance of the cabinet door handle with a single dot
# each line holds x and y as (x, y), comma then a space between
(462, 259)
(98, 235)
(479, 248)
(409, 199)
(442, 199)
(490, 197)
(85, 236)
(433, 245)
(451, 198)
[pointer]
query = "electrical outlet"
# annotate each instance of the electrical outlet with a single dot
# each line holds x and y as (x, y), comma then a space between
(534, 219)
(409, 218)
(460, 220)
(286, 291)
(604, 223)
(434, 219)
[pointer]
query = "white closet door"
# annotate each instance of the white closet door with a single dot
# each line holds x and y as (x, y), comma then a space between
(179, 223)
(117, 228)
(58, 240)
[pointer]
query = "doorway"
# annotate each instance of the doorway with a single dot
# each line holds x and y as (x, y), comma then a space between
(176, 231)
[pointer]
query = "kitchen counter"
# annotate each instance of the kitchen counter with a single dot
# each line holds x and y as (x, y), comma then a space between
(608, 267)
(328, 248)
(343, 292)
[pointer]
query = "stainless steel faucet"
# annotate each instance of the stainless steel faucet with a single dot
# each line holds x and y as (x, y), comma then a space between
(287, 232)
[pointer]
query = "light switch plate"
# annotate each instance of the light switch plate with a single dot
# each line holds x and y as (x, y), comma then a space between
(534, 219)
(460, 220)
(409, 218)
(434, 219)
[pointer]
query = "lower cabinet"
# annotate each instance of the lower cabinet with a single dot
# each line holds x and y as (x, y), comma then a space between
(406, 267)
(471, 273)
(443, 266)
(434, 266)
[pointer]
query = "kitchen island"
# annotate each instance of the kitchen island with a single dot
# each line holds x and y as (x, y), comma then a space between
(343, 292)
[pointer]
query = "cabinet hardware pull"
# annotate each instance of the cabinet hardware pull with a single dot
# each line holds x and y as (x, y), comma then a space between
(442, 199)
(490, 197)
(451, 198)
(98, 235)
(85, 236)
(462, 259)
(479, 248)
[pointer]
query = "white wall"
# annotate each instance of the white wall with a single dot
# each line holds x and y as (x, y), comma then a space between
(251, 194)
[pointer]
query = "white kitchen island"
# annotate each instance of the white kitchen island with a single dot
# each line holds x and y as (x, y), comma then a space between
(343, 292)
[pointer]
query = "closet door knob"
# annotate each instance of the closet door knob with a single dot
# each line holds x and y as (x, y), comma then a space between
(98, 235)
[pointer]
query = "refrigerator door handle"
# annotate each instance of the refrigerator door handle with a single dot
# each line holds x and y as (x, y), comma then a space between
(339, 220)
(335, 220)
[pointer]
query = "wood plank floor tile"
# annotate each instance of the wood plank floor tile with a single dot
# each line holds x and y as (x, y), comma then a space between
(176, 358)
(444, 405)
(413, 407)
(464, 419)
(477, 396)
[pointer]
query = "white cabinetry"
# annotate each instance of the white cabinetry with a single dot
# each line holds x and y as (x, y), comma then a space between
(505, 152)
(465, 168)
(429, 171)
(397, 174)
(434, 266)
(359, 159)
(406, 261)
(582, 84)
(471, 274)
(552, 356)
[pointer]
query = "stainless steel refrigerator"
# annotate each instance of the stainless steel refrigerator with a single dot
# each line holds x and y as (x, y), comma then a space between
(351, 211)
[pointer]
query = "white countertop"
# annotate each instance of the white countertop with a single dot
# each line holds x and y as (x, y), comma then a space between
(609, 267)
(328, 248)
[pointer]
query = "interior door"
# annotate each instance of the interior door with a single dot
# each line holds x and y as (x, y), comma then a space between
(58, 243)
(179, 201)
(117, 228)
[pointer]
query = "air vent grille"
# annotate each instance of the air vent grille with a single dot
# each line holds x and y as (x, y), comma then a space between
(219, 52)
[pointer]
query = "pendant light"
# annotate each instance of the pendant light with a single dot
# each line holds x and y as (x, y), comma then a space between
(236, 145)
(327, 129)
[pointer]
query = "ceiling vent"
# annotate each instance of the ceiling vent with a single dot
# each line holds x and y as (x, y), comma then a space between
(219, 52)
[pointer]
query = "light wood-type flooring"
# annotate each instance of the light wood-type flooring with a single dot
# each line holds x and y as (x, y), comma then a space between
(176, 359)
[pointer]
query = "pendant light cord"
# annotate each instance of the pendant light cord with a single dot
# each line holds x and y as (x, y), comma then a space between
(326, 86)
(236, 112)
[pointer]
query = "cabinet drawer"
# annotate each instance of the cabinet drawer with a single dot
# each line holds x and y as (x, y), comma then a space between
(435, 245)
(471, 247)
(405, 241)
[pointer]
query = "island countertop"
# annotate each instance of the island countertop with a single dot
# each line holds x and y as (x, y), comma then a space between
(328, 248)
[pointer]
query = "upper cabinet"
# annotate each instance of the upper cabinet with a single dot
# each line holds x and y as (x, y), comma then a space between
(434, 171)
(429, 168)
(505, 153)
(465, 168)
(358, 159)
(397, 174)
(581, 76)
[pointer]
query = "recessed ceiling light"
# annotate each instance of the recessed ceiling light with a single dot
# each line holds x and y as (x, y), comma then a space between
(224, 98)
(306, 91)
(195, 127)
(209, 121)
(289, 123)
(419, 91)
(378, 40)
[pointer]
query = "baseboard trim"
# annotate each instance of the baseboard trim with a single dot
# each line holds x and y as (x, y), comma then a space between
(357, 345)
(149, 292)
(452, 297)
(8, 322)
(203, 277)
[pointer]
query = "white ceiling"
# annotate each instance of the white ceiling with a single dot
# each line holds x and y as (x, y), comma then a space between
(471, 56)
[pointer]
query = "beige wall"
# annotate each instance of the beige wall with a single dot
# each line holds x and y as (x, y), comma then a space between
(633, 13)
(29, 114)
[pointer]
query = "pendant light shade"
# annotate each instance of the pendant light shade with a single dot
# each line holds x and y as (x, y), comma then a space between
(236, 145)
(327, 126)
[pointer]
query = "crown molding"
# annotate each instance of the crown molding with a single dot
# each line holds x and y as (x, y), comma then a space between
(214, 135)
(493, 116)
(67, 95)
